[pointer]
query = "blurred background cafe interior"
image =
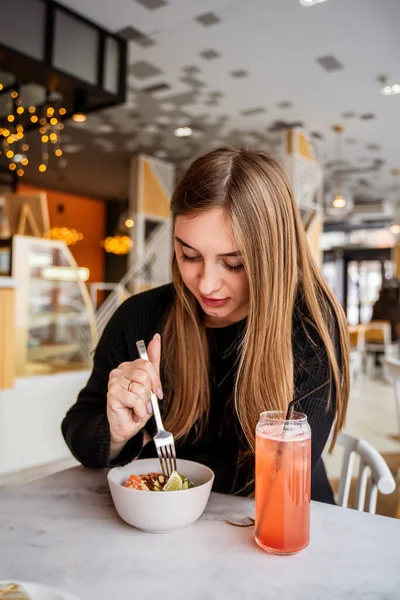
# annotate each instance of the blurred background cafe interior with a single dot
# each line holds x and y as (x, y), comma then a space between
(103, 105)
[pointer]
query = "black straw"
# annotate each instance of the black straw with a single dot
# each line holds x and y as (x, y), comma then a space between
(300, 398)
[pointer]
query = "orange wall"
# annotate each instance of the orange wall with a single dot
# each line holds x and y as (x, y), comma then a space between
(85, 214)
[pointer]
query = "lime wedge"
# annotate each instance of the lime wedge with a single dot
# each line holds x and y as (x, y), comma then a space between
(186, 483)
(174, 483)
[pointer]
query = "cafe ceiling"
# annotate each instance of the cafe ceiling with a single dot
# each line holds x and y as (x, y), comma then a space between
(237, 72)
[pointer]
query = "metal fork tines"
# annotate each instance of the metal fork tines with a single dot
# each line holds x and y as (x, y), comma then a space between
(163, 440)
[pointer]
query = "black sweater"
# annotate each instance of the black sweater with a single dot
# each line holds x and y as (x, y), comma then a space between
(86, 430)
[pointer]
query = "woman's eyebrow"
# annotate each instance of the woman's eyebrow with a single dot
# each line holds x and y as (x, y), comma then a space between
(182, 243)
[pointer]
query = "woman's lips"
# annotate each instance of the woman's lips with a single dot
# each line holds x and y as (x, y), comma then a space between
(214, 302)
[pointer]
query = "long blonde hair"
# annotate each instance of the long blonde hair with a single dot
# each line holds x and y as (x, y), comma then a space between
(254, 192)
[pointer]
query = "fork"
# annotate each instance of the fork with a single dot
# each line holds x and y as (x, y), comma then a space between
(163, 440)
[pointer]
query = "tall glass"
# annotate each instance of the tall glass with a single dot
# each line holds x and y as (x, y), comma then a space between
(283, 483)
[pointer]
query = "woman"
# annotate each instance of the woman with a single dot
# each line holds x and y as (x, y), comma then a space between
(247, 325)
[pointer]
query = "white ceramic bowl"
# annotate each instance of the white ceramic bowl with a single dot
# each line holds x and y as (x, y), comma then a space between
(37, 591)
(160, 512)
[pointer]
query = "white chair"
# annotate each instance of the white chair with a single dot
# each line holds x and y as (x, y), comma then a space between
(372, 465)
(393, 370)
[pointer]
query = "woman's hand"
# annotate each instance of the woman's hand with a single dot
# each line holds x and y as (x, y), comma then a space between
(128, 398)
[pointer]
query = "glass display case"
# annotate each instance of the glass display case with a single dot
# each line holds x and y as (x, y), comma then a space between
(55, 325)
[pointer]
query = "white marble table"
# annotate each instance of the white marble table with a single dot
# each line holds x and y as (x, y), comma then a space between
(63, 531)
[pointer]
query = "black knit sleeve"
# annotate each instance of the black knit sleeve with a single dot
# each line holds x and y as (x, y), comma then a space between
(311, 371)
(85, 427)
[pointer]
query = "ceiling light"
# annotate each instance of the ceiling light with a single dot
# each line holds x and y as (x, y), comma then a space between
(310, 2)
(105, 128)
(66, 273)
(339, 201)
(183, 132)
(72, 148)
(79, 117)
(388, 90)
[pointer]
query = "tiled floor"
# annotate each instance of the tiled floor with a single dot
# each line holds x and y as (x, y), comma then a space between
(372, 416)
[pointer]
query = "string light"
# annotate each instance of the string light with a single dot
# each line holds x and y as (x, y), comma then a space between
(1, 86)
(129, 223)
(67, 235)
(49, 126)
(117, 244)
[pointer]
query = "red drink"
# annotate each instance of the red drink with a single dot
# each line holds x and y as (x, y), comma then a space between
(283, 483)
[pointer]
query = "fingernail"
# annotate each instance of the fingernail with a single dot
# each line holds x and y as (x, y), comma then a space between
(149, 408)
(157, 336)
(160, 393)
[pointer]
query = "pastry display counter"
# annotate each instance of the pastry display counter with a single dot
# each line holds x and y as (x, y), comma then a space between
(47, 338)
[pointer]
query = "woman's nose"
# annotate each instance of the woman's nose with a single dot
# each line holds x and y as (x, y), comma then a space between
(209, 280)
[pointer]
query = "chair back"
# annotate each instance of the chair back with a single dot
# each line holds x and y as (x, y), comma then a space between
(372, 468)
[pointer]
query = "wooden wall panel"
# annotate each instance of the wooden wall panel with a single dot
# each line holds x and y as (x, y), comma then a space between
(85, 214)
(7, 337)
